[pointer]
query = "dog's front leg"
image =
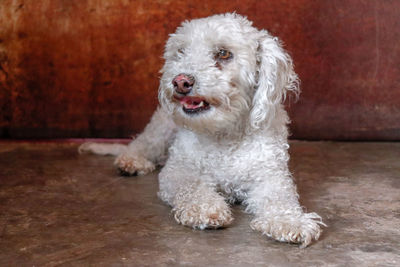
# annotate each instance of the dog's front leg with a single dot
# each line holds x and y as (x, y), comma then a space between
(195, 203)
(150, 147)
(278, 214)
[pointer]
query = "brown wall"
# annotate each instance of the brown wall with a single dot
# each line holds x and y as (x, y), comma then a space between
(89, 68)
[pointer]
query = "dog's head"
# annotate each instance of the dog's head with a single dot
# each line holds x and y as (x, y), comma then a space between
(221, 75)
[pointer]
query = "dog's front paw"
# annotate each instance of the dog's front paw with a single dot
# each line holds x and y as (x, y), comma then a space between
(129, 164)
(203, 215)
(298, 229)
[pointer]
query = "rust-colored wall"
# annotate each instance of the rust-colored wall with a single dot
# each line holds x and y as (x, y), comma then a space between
(89, 68)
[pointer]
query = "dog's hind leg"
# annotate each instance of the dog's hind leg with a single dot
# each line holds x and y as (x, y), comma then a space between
(150, 148)
(103, 149)
(142, 155)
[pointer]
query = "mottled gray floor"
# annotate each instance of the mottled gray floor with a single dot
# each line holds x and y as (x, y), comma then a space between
(61, 208)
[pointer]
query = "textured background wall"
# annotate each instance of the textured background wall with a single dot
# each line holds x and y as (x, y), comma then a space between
(89, 68)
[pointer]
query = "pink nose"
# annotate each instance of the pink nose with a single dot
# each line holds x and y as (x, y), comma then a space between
(183, 83)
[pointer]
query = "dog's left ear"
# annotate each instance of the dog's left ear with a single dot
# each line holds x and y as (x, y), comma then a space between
(274, 78)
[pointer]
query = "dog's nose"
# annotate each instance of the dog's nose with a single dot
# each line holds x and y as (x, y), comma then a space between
(183, 83)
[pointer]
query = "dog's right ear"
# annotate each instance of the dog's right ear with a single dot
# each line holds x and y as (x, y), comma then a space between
(274, 78)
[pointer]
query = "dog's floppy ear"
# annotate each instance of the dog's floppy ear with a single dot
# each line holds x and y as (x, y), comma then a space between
(274, 78)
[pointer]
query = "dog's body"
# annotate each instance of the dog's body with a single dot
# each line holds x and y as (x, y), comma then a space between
(221, 130)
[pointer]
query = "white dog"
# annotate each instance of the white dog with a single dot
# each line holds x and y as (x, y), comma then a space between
(221, 130)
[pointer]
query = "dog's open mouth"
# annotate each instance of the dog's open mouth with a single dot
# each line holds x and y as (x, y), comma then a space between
(193, 104)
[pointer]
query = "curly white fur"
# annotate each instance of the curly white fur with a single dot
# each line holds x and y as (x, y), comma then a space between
(237, 149)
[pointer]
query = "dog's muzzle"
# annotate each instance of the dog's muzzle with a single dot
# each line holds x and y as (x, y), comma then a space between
(183, 85)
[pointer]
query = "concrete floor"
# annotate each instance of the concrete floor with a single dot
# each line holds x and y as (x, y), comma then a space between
(61, 208)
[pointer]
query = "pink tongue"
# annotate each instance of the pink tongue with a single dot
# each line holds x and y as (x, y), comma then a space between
(191, 102)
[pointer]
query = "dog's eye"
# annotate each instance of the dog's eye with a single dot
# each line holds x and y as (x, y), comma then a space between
(181, 51)
(224, 54)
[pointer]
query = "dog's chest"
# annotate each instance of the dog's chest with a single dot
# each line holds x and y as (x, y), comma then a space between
(224, 162)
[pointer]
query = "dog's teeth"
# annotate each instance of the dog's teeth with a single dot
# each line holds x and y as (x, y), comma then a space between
(194, 105)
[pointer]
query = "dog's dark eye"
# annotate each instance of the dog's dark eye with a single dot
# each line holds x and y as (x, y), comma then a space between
(224, 54)
(181, 51)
